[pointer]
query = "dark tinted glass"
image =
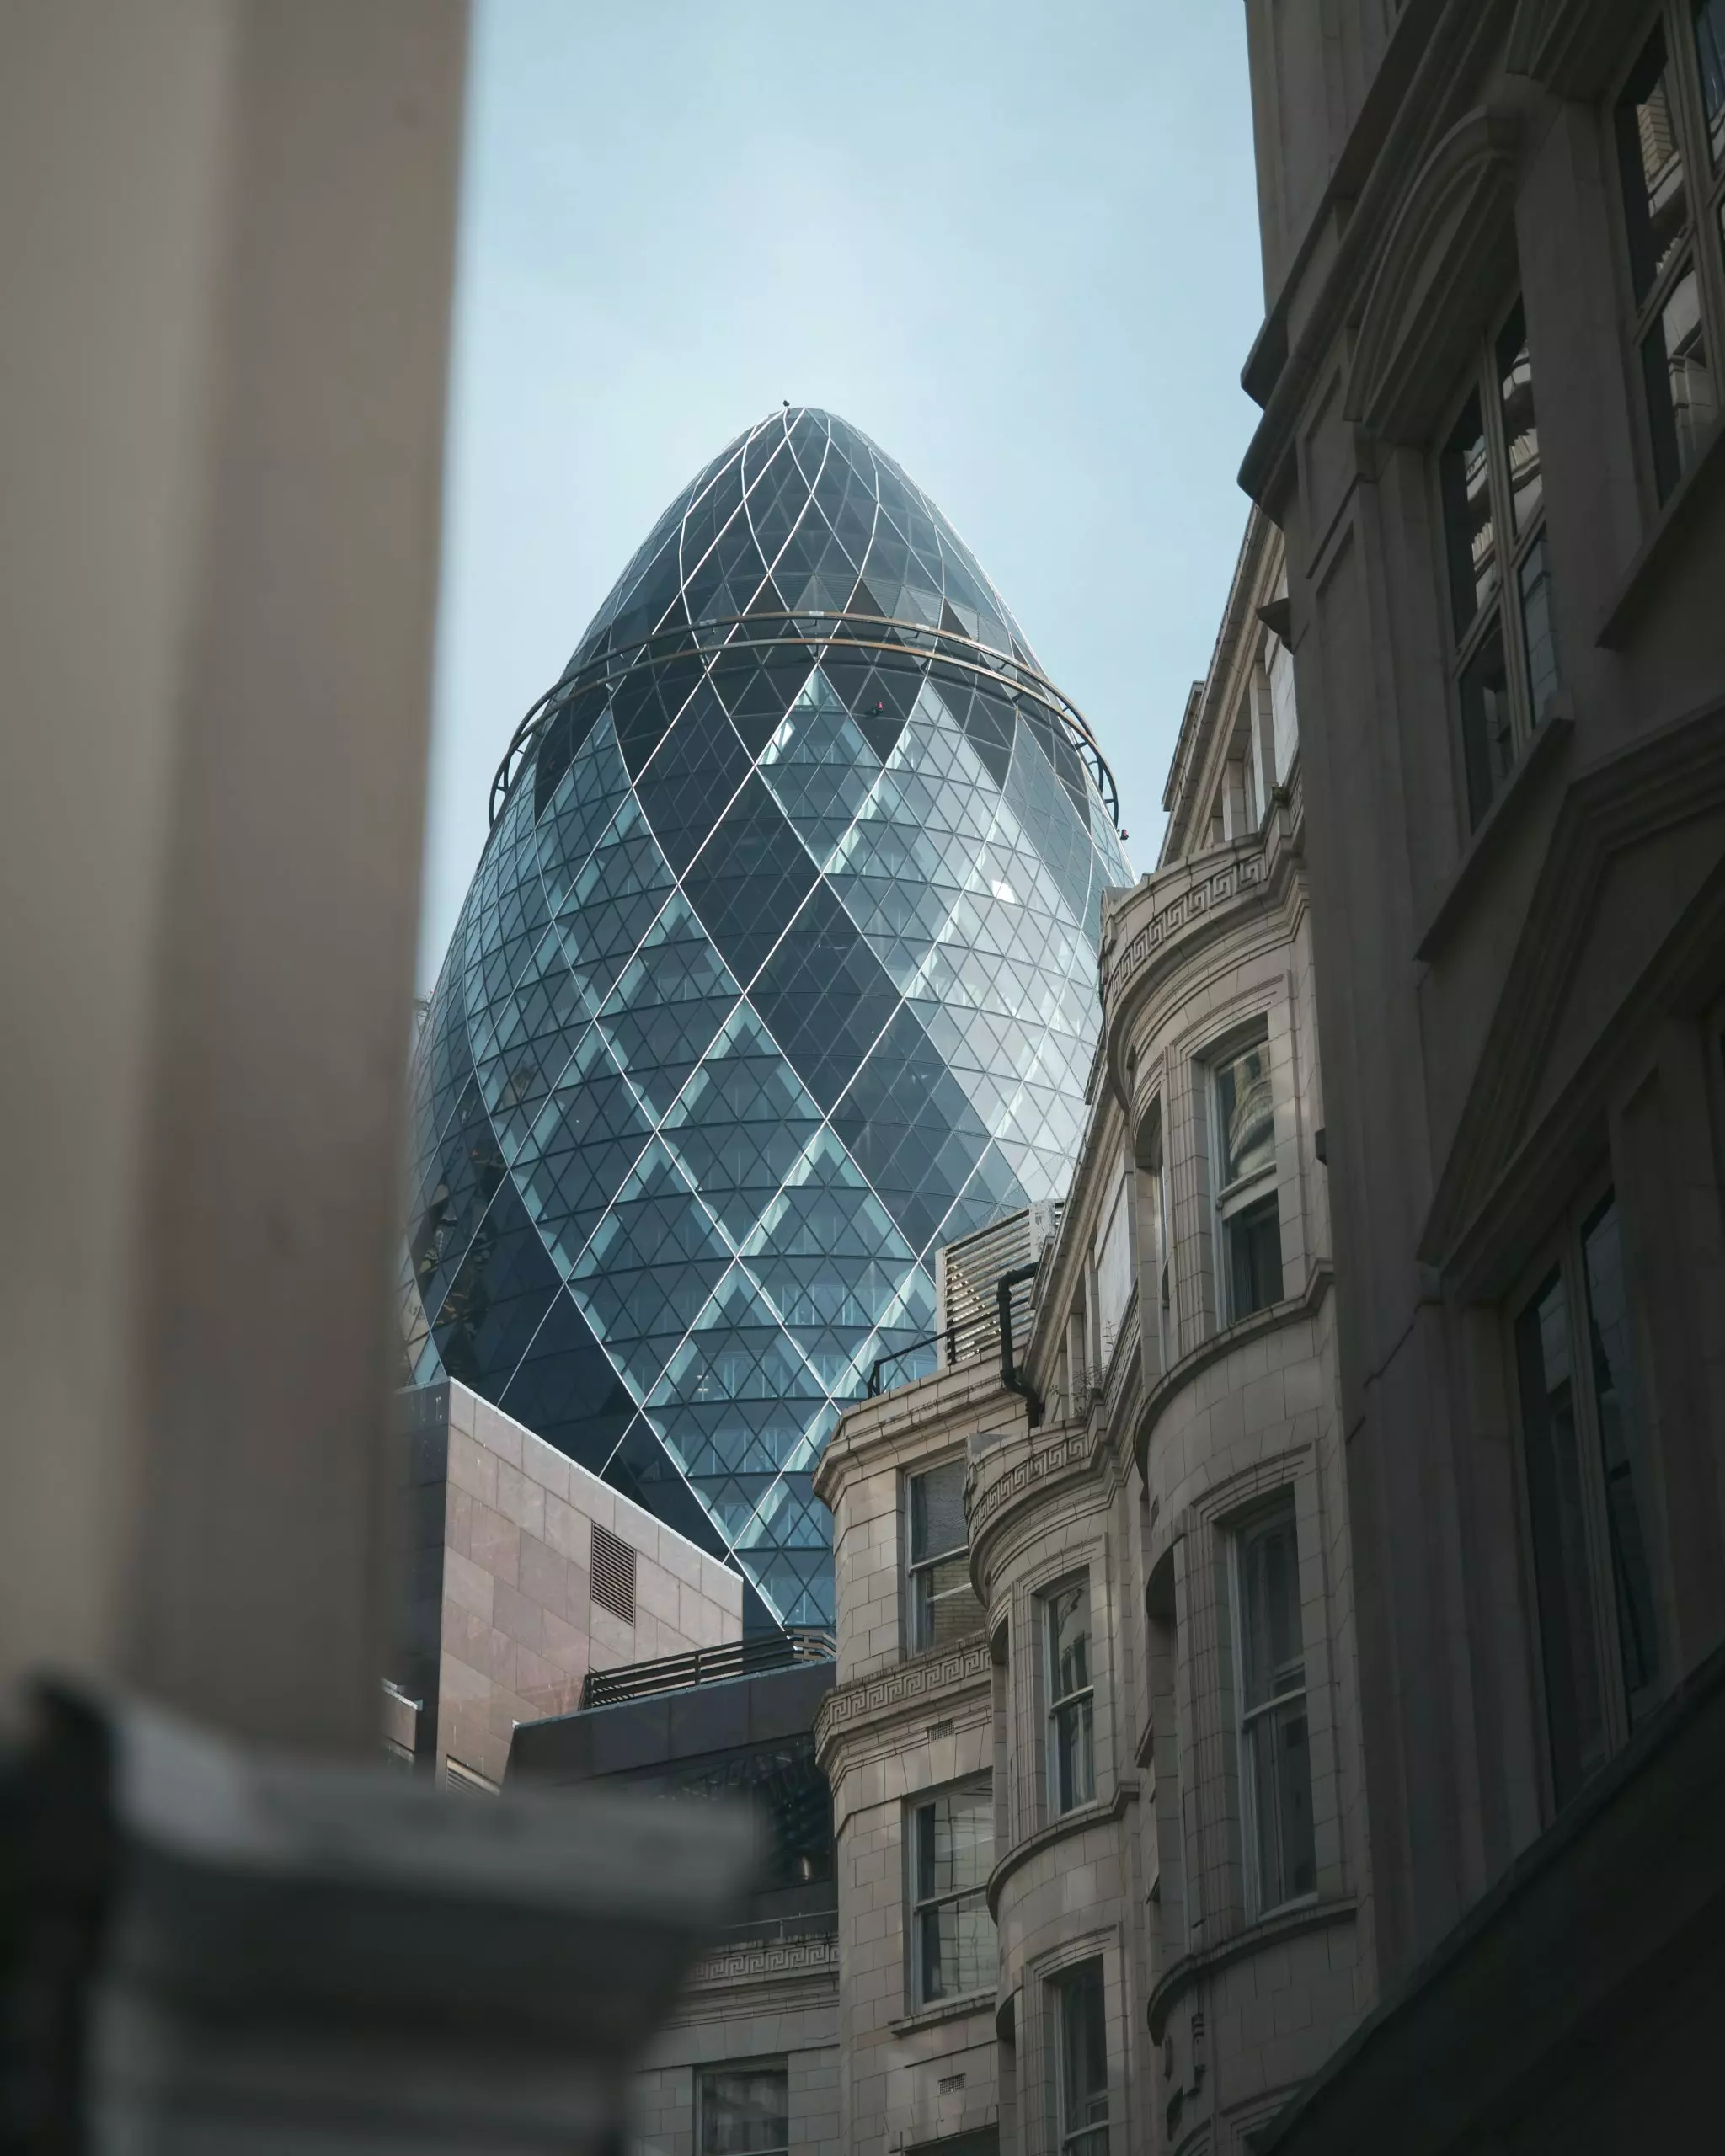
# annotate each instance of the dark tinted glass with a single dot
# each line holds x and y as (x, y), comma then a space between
(1470, 539)
(1650, 161)
(1487, 739)
(1623, 1456)
(778, 971)
(1682, 398)
(1556, 1515)
(1521, 434)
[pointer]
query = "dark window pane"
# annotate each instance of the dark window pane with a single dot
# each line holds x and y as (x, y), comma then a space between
(1521, 434)
(1709, 56)
(1469, 541)
(1622, 1454)
(1681, 402)
(1083, 2076)
(744, 2111)
(1568, 1643)
(1272, 1653)
(1254, 1236)
(1539, 645)
(1655, 189)
(1488, 739)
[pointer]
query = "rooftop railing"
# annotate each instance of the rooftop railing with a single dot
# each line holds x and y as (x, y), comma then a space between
(676, 1673)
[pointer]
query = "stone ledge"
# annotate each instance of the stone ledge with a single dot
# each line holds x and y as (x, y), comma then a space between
(812, 1956)
(895, 1691)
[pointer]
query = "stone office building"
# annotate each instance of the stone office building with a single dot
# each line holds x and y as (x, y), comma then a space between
(1494, 266)
(1104, 1876)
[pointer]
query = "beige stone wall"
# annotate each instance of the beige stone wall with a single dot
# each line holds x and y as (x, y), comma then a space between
(518, 1628)
(897, 1727)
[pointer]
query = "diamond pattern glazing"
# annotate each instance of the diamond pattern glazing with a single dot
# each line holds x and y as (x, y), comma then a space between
(777, 971)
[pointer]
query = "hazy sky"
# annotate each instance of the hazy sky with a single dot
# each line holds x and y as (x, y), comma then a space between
(1016, 244)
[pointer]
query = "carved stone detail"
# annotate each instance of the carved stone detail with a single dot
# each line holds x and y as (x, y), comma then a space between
(893, 1688)
(1190, 907)
(760, 1959)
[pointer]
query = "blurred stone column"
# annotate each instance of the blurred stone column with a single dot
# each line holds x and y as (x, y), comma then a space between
(226, 246)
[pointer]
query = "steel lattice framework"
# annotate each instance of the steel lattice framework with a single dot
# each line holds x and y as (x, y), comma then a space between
(778, 972)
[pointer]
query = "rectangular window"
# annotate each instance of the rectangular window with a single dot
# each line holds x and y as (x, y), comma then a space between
(1113, 1270)
(944, 1604)
(1584, 1466)
(1671, 174)
(953, 1950)
(1284, 715)
(1072, 1775)
(1080, 2060)
(1491, 489)
(1248, 1205)
(745, 2109)
(1275, 1757)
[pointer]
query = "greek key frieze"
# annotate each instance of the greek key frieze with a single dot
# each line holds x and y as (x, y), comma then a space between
(895, 1688)
(1191, 905)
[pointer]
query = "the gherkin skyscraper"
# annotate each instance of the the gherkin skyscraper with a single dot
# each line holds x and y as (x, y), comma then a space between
(778, 972)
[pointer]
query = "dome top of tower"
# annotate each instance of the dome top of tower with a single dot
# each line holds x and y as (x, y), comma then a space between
(803, 515)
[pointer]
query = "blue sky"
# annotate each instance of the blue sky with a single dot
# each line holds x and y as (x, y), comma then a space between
(1016, 244)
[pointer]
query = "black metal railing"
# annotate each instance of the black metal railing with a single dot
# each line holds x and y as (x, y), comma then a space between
(968, 1341)
(676, 1673)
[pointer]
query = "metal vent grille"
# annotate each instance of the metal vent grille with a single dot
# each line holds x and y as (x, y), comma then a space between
(613, 1574)
(468, 1780)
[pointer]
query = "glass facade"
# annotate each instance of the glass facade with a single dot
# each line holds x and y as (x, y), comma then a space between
(778, 971)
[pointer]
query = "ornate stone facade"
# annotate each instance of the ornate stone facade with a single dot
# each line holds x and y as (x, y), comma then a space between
(1186, 1414)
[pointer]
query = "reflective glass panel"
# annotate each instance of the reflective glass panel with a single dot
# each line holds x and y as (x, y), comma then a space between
(1557, 1519)
(1521, 434)
(1470, 539)
(1081, 2029)
(1487, 735)
(777, 970)
(1682, 400)
(1710, 60)
(955, 1951)
(1247, 1108)
(745, 2111)
(1622, 1454)
(1539, 644)
(1650, 159)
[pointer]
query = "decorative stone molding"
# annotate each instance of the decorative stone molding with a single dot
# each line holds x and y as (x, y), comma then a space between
(1442, 266)
(1029, 1471)
(762, 1959)
(1191, 907)
(893, 1691)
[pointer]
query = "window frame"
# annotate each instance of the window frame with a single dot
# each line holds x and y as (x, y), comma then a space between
(920, 1905)
(1231, 1202)
(915, 1567)
(1504, 611)
(1082, 1697)
(1086, 2137)
(1248, 1720)
(1560, 1257)
(1700, 244)
(771, 2061)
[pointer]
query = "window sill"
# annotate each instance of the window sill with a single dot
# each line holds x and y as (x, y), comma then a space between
(1541, 751)
(1096, 1813)
(945, 2009)
(1616, 626)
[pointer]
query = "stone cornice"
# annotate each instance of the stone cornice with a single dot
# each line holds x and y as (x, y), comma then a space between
(766, 1961)
(1169, 918)
(868, 1428)
(1005, 1480)
(898, 1694)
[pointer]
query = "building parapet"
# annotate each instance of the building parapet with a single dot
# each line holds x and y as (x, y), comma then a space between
(892, 1692)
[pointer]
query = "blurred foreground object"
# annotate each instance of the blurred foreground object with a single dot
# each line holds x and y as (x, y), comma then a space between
(227, 235)
(207, 1947)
